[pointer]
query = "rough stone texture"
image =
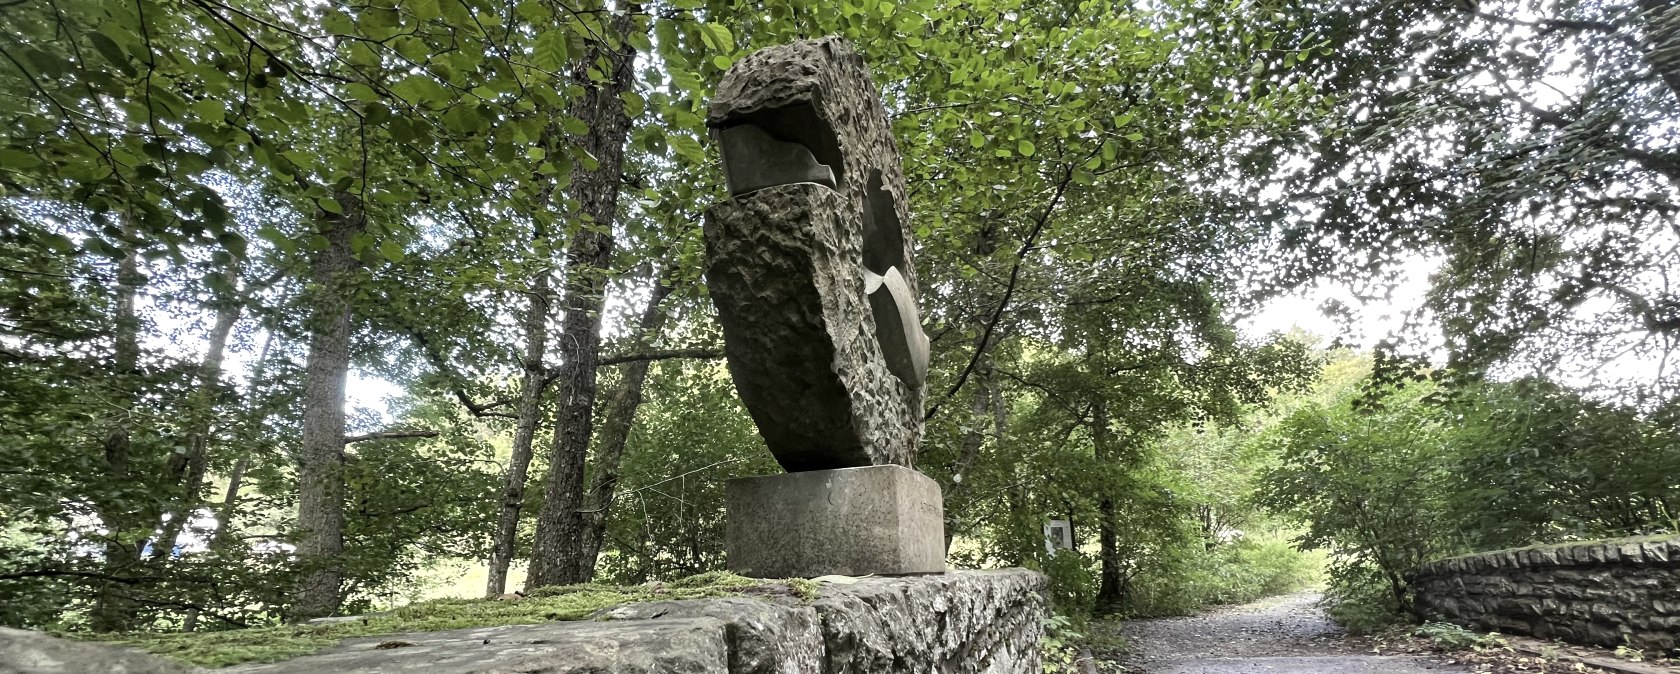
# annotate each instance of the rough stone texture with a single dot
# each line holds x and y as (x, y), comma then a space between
(969, 622)
(786, 264)
(691, 646)
(1603, 594)
(23, 652)
(850, 522)
(799, 331)
(963, 622)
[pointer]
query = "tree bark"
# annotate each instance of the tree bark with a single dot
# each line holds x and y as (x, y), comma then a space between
(1110, 588)
(111, 612)
(615, 431)
(556, 549)
(531, 386)
(321, 451)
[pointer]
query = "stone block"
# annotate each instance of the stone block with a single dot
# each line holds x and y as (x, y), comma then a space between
(25, 652)
(690, 646)
(964, 622)
(882, 520)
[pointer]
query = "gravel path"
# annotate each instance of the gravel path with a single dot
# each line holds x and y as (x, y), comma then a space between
(1277, 635)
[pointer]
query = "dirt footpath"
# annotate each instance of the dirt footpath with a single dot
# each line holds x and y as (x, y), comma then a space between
(1276, 636)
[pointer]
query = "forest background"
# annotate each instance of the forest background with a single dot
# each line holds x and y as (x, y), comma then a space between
(218, 219)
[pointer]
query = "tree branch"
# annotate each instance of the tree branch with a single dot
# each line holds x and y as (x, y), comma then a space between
(1009, 290)
(389, 435)
(664, 354)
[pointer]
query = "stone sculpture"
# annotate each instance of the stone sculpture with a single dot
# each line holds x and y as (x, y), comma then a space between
(809, 264)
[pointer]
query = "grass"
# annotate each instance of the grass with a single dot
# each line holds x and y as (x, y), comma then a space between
(571, 602)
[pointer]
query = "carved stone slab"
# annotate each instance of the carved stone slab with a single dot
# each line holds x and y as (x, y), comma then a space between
(809, 261)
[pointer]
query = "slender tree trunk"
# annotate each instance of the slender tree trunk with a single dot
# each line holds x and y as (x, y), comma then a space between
(187, 470)
(615, 431)
(254, 419)
(321, 451)
(557, 547)
(1110, 588)
(525, 432)
(973, 441)
(111, 612)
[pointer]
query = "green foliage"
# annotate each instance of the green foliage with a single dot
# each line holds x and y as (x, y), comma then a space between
(1087, 180)
(1059, 646)
(1450, 637)
(1544, 186)
(1391, 477)
(1073, 588)
(1360, 597)
(1262, 564)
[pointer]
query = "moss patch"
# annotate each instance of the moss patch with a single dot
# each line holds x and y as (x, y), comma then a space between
(570, 602)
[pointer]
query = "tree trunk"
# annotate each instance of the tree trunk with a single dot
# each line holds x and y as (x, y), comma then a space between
(973, 441)
(187, 470)
(111, 612)
(615, 431)
(1110, 588)
(321, 451)
(525, 432)
(557, 547)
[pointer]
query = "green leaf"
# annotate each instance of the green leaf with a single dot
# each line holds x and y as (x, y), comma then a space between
(391, 250)
(421, 90)
(425, 10)
(551, 51)
(361, 92)
(17, 159)
(1025, 147)
(634, 105)
(329, 205)
(718, 37)
(108, 48)
(976, 140)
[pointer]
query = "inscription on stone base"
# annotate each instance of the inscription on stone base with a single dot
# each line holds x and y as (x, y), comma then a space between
(882, 520)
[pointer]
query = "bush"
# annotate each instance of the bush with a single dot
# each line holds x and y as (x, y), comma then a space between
(1073, 589)
(1360, 598)
(1257, 566)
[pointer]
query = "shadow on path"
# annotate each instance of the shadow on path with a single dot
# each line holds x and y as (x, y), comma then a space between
(1289, 633)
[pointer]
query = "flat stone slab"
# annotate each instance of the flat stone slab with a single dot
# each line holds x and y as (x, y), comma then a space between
(688, 646)
(880, 520)
(968, 622)
(25, 652)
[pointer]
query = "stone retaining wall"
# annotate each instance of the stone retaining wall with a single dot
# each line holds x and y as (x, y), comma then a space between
(966, 622)
(1607, 593)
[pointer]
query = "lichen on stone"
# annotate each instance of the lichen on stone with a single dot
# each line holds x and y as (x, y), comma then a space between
(558, 603)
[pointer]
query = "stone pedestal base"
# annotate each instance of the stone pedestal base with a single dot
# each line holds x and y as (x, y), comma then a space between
(881, 520)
